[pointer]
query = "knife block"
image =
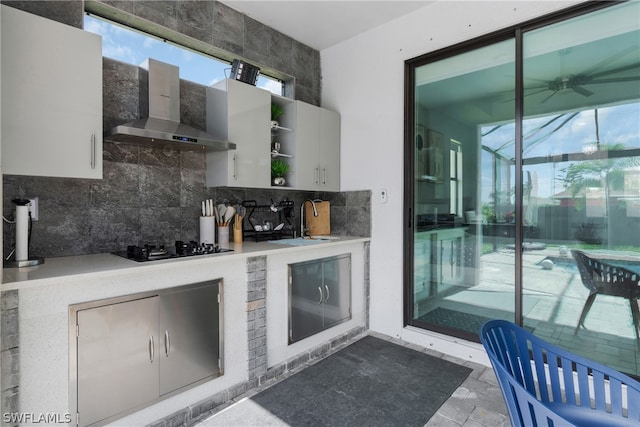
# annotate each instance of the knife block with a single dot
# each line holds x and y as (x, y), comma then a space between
(318, 225)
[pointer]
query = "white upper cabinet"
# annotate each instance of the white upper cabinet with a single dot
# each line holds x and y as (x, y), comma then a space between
(51, 98)
(240, 113)
(317, 157)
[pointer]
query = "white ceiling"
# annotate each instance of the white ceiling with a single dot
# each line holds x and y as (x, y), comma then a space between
(321, 24)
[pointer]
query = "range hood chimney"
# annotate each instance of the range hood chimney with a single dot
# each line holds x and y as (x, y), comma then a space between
(163, 126)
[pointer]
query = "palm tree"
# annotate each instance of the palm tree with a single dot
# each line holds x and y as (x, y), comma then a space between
(606, 171)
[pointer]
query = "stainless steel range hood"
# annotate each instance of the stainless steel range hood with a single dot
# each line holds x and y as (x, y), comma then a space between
(163, 126)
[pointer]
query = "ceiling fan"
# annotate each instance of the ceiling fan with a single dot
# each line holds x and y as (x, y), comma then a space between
(576, 82)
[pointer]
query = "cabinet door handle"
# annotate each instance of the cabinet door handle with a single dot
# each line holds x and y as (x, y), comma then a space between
(320, 294)
(235, 167)
(317, 175)
(151, 349)
(167, 343)
(324, 175)
(93, 151)
(326, 298)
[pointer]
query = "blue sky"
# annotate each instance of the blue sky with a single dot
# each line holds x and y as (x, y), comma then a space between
(134, 48)
(616, 125)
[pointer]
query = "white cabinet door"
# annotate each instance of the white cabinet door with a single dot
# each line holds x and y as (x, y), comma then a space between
(329, 150)
(317, 148)
(239, 113)
(307, 142)
(51, 98)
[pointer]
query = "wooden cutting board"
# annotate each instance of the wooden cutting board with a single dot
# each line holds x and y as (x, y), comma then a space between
(318, 225)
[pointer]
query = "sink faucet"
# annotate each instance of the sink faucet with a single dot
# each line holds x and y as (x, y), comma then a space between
(315, 213)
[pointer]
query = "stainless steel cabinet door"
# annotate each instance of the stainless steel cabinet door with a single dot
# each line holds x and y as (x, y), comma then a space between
(336, 279)
(319, 295)
(306, 300)
(189, 336)
(117, 358)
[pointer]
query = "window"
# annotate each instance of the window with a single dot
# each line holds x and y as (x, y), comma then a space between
(134, 47)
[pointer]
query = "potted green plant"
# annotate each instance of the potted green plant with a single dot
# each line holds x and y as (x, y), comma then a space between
(279, 169)
(276, 112)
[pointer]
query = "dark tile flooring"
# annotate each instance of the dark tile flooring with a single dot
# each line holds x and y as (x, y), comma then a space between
(477, 402)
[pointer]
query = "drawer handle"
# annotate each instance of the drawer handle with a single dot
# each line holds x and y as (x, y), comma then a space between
(167, 343)
(326, 288)
(151, 349)
(93, 151)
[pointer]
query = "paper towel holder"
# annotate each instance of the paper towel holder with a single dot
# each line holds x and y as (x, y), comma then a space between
(22, 220)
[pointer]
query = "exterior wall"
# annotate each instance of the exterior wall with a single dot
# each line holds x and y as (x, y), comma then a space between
(372, 117)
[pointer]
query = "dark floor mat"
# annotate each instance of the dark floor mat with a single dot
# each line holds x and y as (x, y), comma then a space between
(372, 382)
(455, 319)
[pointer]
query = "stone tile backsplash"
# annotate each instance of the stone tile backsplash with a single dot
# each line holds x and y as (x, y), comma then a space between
(148, 196)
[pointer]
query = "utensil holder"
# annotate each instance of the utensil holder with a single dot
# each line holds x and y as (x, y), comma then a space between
(207, 229)
(237, 235)
(223, 235)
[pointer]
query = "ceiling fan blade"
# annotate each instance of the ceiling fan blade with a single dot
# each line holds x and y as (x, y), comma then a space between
(615, 70)
(609, 60)
(540, 90)
(582, 91)
(548, 97)
(615, 80)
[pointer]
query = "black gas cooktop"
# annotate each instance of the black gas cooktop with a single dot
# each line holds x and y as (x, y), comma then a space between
(179, 250)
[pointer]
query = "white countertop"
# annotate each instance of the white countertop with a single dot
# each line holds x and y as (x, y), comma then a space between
(57, 267)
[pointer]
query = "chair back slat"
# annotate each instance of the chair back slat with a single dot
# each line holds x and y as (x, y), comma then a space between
(615, 388)
(554, 376)
(585, 388)
(633, 396)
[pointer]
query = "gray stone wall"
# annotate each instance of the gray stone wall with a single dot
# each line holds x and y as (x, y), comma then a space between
(257, 317)
(9, 352)
(153, 195)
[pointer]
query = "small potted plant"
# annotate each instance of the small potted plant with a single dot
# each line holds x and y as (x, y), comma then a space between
(276, 112)
(279, 169)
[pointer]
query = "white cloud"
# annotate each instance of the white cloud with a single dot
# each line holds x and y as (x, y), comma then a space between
(271, 85)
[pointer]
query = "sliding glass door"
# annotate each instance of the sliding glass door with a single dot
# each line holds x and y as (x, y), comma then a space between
(581, 148)
(455, 287)
(523, 183)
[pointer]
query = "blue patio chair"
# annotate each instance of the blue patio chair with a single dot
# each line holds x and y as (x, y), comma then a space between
(544, 385)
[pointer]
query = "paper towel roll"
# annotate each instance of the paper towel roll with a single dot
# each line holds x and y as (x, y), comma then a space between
(207, 229)
(22, 233)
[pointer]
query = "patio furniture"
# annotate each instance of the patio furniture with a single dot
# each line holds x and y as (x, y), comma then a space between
(544, 385)
(602, 278)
